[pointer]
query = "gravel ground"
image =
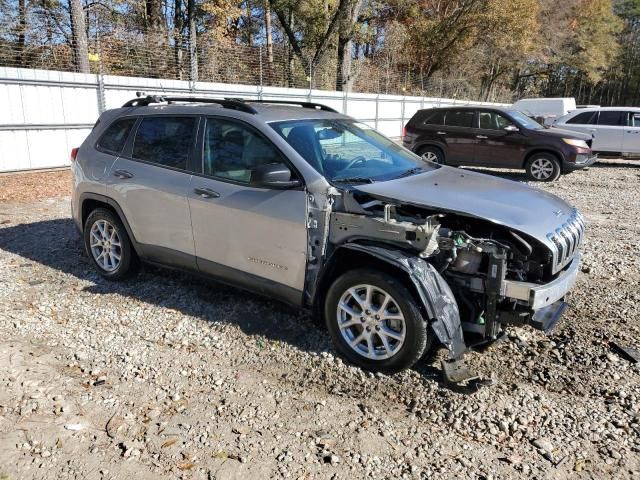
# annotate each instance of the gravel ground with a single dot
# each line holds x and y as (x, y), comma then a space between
(169, 376)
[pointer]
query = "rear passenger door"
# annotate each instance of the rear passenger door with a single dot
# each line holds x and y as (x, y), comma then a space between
(252, 237)
(151, 181)
(610, 131)
(631, 139)
(459, 136)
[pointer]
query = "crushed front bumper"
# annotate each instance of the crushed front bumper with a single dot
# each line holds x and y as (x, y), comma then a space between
(540, 296)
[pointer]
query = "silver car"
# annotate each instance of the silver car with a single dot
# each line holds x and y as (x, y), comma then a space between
(303, 204)
(615, 130)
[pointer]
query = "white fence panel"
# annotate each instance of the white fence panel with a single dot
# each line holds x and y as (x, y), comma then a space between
(46, 113)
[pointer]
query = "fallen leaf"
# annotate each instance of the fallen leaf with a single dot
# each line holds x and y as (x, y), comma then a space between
(186, 466)
(169, 442)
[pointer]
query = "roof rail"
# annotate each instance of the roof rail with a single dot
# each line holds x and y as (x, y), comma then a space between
(226, 102)
(315, 106)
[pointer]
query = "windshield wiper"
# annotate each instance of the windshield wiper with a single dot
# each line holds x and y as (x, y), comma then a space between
(411, 171)
(353, 180)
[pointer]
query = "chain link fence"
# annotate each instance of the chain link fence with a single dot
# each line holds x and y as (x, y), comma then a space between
(137, 55)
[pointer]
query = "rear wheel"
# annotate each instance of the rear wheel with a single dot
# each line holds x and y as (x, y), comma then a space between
(432, 154)
(107, 243)
(375, 322)
(543, 167)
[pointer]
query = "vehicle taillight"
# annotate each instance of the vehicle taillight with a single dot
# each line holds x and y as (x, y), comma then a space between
(74, 154)
(404, 132)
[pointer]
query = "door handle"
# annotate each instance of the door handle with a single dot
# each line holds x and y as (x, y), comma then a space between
(441, 133)
(206, 193)
(122, 174)
(482, 136)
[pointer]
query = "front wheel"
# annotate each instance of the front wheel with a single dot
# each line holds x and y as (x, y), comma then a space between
(543, 167)
(375, 322)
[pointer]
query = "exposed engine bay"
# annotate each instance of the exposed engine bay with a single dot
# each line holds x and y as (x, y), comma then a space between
(461, 265)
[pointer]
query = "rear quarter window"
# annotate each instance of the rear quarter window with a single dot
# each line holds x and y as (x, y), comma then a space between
(115, 136)
(434, 118)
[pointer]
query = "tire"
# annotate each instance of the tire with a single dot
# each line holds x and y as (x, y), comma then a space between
(543, 167)
(432, 154)
(117, 243)
(405, 341)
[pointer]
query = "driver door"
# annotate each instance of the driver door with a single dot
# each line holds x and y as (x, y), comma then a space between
(495, 146)
(252, 237)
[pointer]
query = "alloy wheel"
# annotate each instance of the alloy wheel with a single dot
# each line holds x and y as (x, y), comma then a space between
(541, 169)
(430, 157)
(371, 322)
(105, 245)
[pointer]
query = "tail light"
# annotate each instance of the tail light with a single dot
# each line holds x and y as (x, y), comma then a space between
(74, 154)
(404, 133)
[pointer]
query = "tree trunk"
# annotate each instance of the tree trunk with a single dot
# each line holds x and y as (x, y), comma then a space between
(268, 32)
(79, 37)
(193, 40)
(155, 28)
(178, 27)
(290, 54)
(350, 11)
(20, 33)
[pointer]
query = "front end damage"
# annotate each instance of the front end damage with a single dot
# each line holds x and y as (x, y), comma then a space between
(471, 275)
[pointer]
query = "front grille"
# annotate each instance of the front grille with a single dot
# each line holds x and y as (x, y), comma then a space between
(567, 240)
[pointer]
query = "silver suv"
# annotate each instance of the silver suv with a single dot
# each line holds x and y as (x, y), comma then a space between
(300, 203)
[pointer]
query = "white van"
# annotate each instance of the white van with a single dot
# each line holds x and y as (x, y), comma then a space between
(614, 129)
(545, 109)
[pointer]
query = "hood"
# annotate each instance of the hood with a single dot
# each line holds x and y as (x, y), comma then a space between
(504, 202)
(561, 133)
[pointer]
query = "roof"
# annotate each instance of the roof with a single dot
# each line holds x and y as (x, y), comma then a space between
(472, 107)
(606, 109)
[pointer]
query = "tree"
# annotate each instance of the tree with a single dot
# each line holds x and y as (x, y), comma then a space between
(79, 45)
(346, 27)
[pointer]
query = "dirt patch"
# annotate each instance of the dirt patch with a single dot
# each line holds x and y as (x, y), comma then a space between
(170, 376)
(24, 187)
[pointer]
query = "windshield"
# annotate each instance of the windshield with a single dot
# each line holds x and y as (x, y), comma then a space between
(524, 120)
(350, 152)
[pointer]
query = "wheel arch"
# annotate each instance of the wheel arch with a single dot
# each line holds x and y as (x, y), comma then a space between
(547, 150)
(90, 201)
(430, 290)
(431, 144)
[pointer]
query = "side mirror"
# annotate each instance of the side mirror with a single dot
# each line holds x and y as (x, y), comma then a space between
(511, 128)
(273, 175)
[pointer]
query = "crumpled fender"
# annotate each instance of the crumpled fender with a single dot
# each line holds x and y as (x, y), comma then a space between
(435, 294)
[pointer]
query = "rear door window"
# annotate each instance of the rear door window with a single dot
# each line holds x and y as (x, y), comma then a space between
(115, 136)
(584, 118)
(435, 118)
(459, 118)
(634, 119)
(612, 118)
(165, 141)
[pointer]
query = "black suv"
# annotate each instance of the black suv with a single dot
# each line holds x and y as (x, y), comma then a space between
(499, 138)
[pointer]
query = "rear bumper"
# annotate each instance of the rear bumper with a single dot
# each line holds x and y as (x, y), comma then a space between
(540, 296)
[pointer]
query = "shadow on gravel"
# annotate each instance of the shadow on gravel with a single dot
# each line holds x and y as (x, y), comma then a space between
(57, 244)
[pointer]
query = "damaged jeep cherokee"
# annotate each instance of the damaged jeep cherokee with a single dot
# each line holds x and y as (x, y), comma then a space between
(300, 203)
